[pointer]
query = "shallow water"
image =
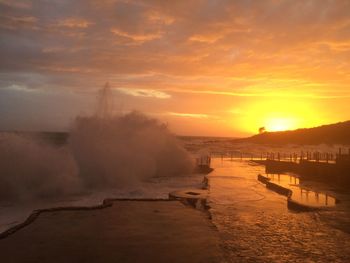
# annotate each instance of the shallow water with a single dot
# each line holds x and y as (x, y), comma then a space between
(255, 224)
(302, 194)
(312, 198)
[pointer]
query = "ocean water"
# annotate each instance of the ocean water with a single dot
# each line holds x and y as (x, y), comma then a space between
(226, 147)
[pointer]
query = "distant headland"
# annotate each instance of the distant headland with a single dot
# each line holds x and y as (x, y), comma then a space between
(338, 133)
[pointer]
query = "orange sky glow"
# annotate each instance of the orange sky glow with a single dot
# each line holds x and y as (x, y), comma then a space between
(215, 67)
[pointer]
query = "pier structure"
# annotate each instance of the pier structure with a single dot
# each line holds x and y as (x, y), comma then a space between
(333, 168)
(203, 164)
(327, 167)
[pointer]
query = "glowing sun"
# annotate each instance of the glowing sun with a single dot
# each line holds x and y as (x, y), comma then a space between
(280, 124)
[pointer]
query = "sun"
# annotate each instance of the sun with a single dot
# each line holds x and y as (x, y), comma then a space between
(279, 114)
(280, 124)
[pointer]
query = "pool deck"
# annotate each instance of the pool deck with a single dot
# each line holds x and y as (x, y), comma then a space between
(127, 231)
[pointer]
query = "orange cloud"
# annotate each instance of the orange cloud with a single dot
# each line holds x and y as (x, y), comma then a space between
(144, 93)
(189, 115)
(136, 37)
(196, 57)
(74, 22)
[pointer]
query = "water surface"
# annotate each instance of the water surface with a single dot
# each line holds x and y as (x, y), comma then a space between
(302, 194)
(255, 224)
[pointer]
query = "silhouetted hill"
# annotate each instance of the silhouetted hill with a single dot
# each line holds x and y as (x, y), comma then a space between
(338, 133)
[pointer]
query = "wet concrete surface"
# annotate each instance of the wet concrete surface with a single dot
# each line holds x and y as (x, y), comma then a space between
(129, 231)
(255, 224)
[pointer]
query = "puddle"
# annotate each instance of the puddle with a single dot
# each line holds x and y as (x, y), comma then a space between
(311, 198)
(300, 194)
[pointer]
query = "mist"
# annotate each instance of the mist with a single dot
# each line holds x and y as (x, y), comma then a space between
(104, 150)
(30, 169)
(125, 149)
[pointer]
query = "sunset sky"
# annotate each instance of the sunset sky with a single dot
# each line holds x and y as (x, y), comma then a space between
(215, 67)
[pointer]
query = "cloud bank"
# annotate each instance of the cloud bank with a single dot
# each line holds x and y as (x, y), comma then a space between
(178, 49)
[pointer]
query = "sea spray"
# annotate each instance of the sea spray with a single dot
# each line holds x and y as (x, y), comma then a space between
(125, 149)
(120, 149)
(30, 169)
(104, 151)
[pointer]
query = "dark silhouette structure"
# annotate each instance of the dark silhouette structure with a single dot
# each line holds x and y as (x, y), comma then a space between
(335, 173)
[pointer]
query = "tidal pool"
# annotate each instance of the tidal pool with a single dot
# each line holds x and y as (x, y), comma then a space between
(255, 224)
(302, 194)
